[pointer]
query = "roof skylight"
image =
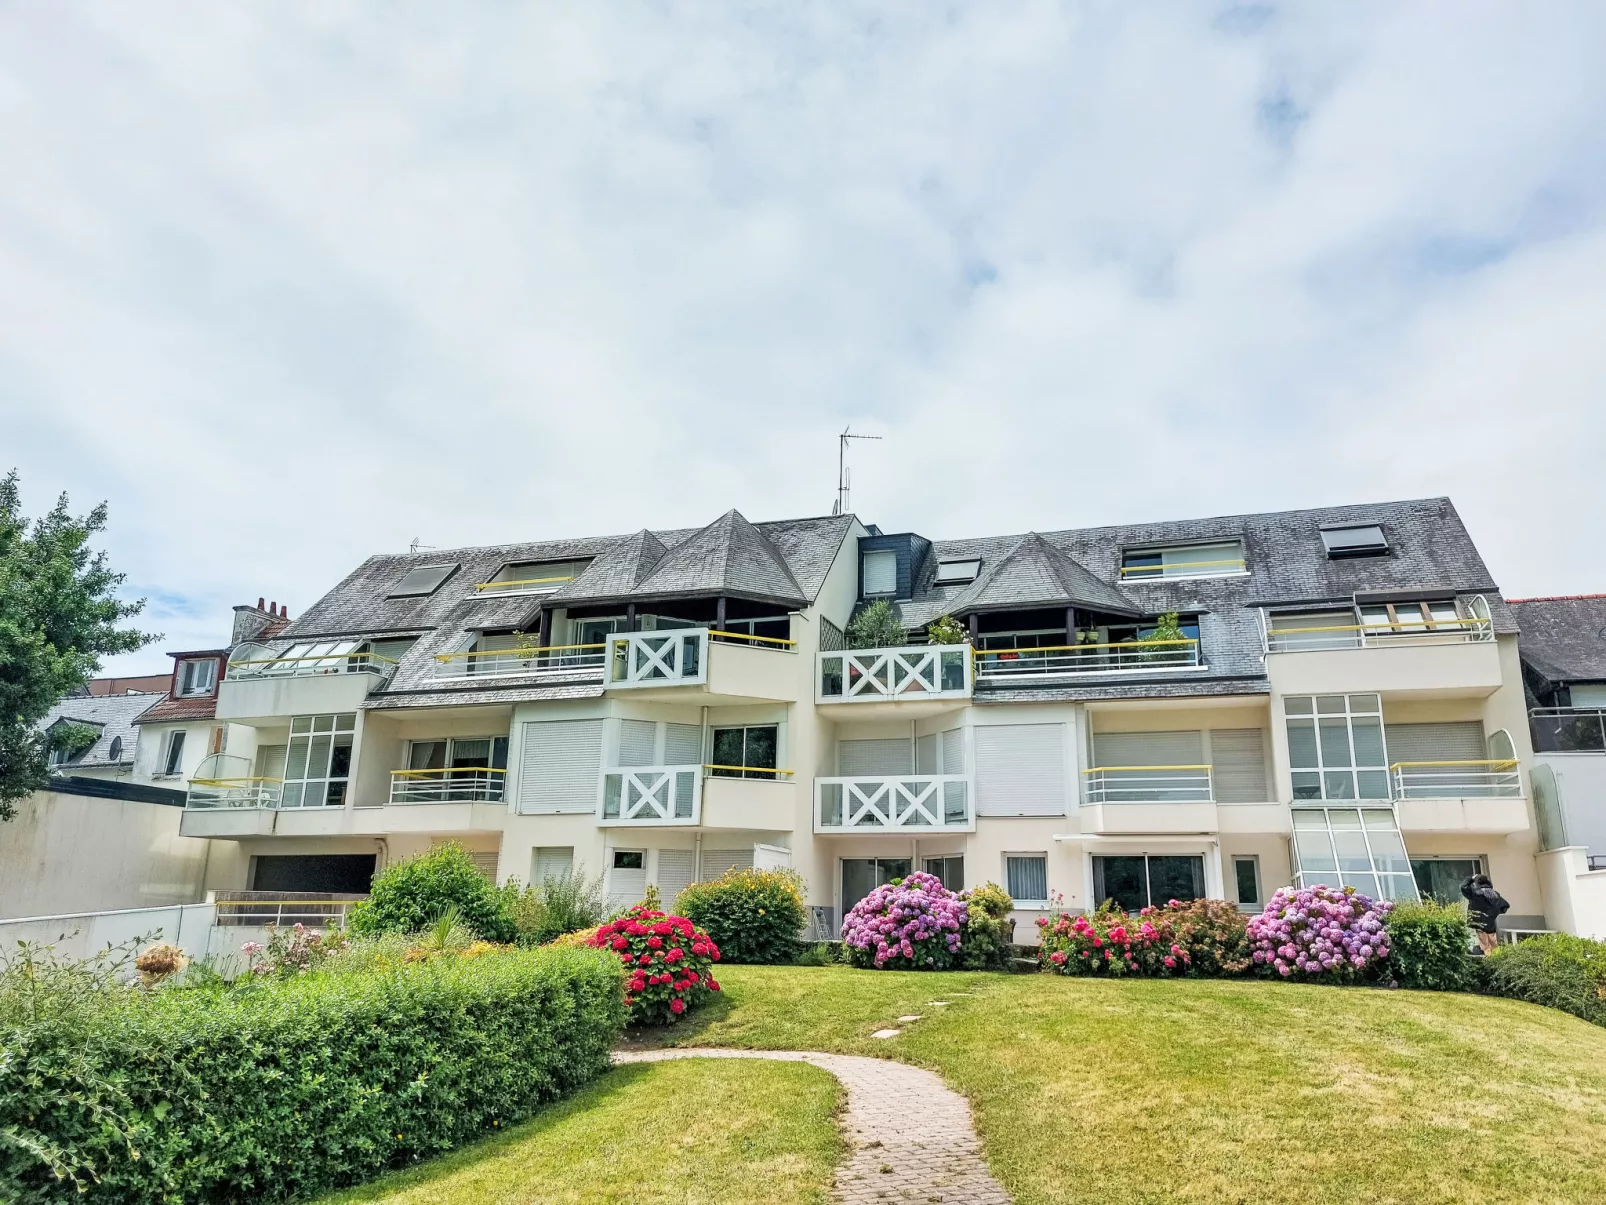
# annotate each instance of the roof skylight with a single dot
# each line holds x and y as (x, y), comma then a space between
(425, 579)
(1360, 540)
(957, 572)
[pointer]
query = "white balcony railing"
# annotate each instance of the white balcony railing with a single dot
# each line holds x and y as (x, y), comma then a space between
(460, 784)
(651, 795)
(1455, 779)
(903, 803)
(675, 657)
(234, 793)
(1147, 784)
(558, 662)
(933, 671)
(1377, 635)
(1055, 661)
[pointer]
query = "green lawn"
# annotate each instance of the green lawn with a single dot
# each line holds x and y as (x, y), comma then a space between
(1145, 1091)
(681, 1133)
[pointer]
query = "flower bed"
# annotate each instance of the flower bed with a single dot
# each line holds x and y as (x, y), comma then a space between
(1321, 933)
(1199, 938)
(910, 924)
(669, 960)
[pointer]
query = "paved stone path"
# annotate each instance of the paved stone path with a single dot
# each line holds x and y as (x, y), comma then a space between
(910, 1136)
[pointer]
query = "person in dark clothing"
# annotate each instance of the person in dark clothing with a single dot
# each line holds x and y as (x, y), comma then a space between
(1484, 906)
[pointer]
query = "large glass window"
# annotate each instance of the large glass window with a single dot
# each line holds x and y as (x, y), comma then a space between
(1352, 847)
(317, 768)
(950, 871)
(745, 752)
(1185, 560)
(861, 876)
(463, 762)
(1335, 747)
(1140, 880)
(1027, 877)
(1441, 878)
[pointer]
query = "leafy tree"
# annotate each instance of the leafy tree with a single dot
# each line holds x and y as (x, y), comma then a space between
(947, 630)
(877, 627)
(58, 617)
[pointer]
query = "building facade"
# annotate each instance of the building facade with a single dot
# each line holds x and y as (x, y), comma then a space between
(1209, 707)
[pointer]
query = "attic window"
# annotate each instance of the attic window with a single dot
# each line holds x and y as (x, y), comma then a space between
(879, 572)
(425, 579)
(196, 678)
(533, 577)
(1183, 560)
(1366, 540)
(950, 573)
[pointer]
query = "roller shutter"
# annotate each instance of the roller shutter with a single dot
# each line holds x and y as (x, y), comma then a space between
(683, 745)
(1148, 749)
(875, 758)
(1238, 765)
(717, 861)
(1020, 770)
(638, 743)
(1435, 742)
(676, 869)
(559, 764)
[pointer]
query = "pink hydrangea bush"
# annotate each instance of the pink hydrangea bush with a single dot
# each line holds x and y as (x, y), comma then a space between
(909, 924)
(1324, 933)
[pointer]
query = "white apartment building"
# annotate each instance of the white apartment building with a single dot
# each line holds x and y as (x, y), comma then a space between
(1341, 701)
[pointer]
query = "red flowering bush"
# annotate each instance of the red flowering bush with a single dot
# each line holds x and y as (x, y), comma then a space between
(1202, 937)
(669, 960)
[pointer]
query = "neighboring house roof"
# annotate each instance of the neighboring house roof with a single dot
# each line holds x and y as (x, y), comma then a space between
(1563, 638)
(171, 709)
(113, 715)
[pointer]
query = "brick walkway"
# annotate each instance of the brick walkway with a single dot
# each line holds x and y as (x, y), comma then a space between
(910, 1136)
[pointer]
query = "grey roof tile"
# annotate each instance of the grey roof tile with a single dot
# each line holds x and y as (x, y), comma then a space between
(1037, 573)
(512, 692)
(1564, 639)
(729, 556)
(617, 572)
(114, 715)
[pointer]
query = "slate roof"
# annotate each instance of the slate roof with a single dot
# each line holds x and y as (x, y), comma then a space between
(729, 556)
(1037, 573)
(113, 715)
(1563, 639)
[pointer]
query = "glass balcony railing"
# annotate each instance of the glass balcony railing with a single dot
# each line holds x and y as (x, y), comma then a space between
(1568, 729)
(307, 660)
(234, 793)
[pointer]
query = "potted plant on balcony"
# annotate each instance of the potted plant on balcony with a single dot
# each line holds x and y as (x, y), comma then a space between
(877, 627)
(947, 630)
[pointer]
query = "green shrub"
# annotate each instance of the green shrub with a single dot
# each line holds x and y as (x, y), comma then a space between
(1554, 969)
(820, 954)
(1429, 946)
(947, 630)
(557, 905)
(984, 939)
(752, 915)
(877, 627)
(282, 1088)
(411, 895)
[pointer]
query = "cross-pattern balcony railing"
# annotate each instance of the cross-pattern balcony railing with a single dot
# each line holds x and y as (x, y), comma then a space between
(1148, 784)
(933, 671)
(564, 662)
(675, 657)
(1568, 729)
(1455, 779)
(902, 803)
(1053, 661)
(234, 793)
(459, 784)
(1377, 635)
(651, 795)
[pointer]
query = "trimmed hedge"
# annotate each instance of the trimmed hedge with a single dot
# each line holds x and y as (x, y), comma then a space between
(278, 1090)
(1429, 946)
(1553, 969)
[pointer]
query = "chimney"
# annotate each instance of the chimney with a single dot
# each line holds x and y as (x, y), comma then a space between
(250, 622)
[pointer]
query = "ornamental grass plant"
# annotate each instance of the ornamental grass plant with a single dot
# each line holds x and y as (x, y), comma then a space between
(913, 923)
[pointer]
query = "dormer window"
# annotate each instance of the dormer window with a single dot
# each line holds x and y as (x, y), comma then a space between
(422, 581)
(1216, 559)
(533, 577)
(879, 572)
(957, 572)
(1362, 540)
(197, 678)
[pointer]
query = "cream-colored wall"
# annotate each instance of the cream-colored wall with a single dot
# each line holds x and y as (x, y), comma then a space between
(71, 853)
(150, 750)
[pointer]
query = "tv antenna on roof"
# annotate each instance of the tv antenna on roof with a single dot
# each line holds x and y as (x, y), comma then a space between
(416, 545)
(842, 478)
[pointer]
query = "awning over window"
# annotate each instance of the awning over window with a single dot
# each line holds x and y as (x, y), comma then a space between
(1352, 847)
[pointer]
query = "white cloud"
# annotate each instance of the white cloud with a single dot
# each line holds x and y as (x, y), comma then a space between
(292, 285)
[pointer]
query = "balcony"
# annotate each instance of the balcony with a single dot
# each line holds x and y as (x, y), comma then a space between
(905, 804)
(234, 793)
(720, 666)
(552, 663)
(1568, 729)
(1060, 662)
(317, 678)
(651, 795)
(913, 675)
(1378, 635)
(460, 784)
(1148, 799)
(1456, 780)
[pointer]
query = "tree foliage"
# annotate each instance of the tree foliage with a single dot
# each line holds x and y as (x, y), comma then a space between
(59, 615)
(877, 627)
(947, 630)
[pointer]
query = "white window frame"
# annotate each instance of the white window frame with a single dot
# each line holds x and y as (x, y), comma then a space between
(1259, 901)
(864, 574)
(308, 729)
(957, 571)
(187, 688)
(1321, 769)
(1039, 854)
(1204, 563)
(173, 752)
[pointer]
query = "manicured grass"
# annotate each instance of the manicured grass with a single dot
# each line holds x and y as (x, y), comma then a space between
(698, 1132)
(1143, 1091)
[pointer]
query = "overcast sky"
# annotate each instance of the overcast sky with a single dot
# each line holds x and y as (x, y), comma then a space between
(291, 284)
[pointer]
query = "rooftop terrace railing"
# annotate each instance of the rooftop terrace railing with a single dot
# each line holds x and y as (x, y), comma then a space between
(309, 664)
(1377, 635)
(1176, 569)
(527, 585)
(1054, 661)
(576, 662)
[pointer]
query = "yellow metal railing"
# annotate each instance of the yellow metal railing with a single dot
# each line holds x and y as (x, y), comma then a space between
(745, 636)
(1417, 625)
(749, 769)
(1129, 646)
(529, 653)
(523, 581)
(1130, 571)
